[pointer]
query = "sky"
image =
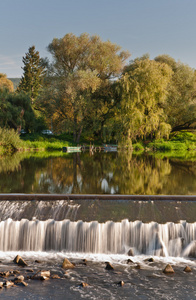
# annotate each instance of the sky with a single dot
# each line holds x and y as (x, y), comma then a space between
(140, 26)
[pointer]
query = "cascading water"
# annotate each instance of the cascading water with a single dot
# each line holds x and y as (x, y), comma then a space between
(92, 237)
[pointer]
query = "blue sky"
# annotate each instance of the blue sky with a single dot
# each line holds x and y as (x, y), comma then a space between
(140, 26)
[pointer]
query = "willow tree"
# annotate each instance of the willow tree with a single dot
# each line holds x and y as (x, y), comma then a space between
(144, 90)
(80, 66)
(180, 106)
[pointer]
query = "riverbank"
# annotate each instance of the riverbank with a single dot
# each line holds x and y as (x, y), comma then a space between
(10, 141)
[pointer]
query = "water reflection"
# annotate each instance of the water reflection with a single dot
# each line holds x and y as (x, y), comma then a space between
(102, 173)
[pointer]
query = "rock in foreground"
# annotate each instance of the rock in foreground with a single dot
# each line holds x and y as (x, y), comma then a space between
(168, 269)
(20, 261)
(67, 264)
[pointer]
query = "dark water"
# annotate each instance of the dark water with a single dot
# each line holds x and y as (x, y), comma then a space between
(101, 173)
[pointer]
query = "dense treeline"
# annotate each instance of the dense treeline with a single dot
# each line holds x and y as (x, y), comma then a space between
(89, 89)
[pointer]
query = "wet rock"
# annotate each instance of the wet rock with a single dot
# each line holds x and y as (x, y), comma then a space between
(16, 272)
(129, 261)
(151, 259)
(130, 252)
(67, 264)
(18, 279)
(83, 262)
(168, 269)
(84, 284)
(18, 260)
(1, 284)
(45, 273)
(8, 284)
(187, 269)
(55, 276)
(41, 275)
(37, 261)
(23, 283)
(138, 267)
(108, 266)
(30, 270)
(67, 275)
(121, 283)
(5, 274)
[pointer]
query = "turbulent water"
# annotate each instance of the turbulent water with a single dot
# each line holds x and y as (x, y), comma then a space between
(92, 237)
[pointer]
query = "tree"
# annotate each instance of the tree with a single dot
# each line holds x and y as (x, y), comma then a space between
(81, 65)
(180, 105)
(143, 88)
(33, 75)
(5, 83)
(16, 111)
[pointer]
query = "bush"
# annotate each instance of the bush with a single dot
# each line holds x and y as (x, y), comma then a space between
(9, 140)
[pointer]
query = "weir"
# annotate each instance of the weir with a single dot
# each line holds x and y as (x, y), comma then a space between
(149, 225)
(168, 239)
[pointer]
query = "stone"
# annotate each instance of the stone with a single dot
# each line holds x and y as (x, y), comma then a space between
(130, 252)
(30, 270)
(84, 284)
(18, 260)
(151, 259)
(19, 279)
(43, 277)
(55, 276)
(1, 284)
(67, 264)
(109, 266)
(16, 272)
(168, 269)
(24, 283)
(187, 269)
(5, 274)
(129, 261)
(45, 273)
(37, 261)
(138, 267)
(8, 284)
(121, 283)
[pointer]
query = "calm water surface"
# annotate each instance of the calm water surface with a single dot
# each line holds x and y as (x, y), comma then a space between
(100, 173)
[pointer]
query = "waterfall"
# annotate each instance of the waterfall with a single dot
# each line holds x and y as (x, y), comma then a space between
(168, 239)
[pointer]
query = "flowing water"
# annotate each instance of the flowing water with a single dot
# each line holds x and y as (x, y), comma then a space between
(92, 232)
(25, 229)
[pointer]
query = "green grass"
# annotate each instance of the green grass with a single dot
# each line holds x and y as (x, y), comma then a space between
(45, 142)
(180, 141)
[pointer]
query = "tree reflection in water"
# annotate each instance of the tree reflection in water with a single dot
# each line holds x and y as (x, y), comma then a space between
(101, 173)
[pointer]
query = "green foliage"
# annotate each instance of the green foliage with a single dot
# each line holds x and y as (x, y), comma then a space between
(16, 111)
(81, 65)
(180, 105)
(138, 147)
(45, 143)
(181, 142)
(5, 83)
(9, 141)
(32, 78)
(144, 91)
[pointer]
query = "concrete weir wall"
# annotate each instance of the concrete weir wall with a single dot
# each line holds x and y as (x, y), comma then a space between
(53, 197)
(101, 208)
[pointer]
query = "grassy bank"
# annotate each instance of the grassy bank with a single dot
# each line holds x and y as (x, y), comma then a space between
(179, 143)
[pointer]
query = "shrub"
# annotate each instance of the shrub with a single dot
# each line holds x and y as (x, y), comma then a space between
(9, 140)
